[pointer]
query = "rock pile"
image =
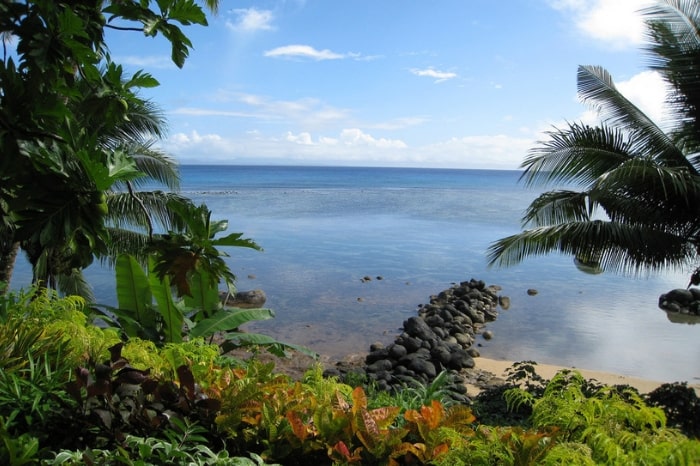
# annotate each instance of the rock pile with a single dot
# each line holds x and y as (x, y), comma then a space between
(439, 338)
(681, 301)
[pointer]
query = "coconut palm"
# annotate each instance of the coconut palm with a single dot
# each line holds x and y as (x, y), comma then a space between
(53, 172)
(626, 193)
(128, 214)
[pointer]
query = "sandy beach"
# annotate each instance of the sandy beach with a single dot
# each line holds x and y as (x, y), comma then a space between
(498, 368)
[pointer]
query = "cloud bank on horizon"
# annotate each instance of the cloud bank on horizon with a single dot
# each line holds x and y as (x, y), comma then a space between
(462, 85)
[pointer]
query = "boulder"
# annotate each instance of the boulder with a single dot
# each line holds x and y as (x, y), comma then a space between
(681, 302)
(418, 328)
(244, 299)
(680, 295)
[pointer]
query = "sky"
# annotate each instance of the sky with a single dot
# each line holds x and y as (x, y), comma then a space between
(393, 83)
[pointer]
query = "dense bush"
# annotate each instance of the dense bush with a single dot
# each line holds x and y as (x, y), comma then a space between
(681, 405)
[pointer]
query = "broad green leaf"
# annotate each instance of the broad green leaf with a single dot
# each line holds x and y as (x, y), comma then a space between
(217, 226)
(229, 319)
(142, 79)
(180, 44)
(121, 167)
(236, 239)
(169, 310)
(187, 12)
(150, 26)
(205, 293)
(133, 292)
(274, 346)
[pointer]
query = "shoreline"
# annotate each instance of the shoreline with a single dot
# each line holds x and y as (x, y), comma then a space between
(489, 371)
(498, 368)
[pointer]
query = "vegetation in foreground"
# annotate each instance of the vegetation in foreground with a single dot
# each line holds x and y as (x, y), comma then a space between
(132, 402)
(139, 391)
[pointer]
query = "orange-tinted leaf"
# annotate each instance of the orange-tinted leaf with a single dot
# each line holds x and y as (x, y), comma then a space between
(460, 418)
(369, 425)
(416, 449)
(359, 400)
(440, 450)
(433, 414)
(384, 417)
(340, 451)
(298, 427)
(339, 401)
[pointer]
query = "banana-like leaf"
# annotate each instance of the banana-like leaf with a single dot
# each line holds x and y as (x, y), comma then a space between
(171, 313)
(237, 240)
(133, 291)
(204, 296)
(229, 319)
(273, 346)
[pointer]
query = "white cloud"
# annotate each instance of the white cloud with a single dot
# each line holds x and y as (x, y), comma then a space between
(399, 123)
(352, 146)
(618, 23)
(647, 90)
(355, 137)
(303, 51)
(191, 111)
(207, 144)
(439, 76)
(308, 112)
(480, 151)
(156, 61)
(301, 138)
(348, 137)
(251, 20)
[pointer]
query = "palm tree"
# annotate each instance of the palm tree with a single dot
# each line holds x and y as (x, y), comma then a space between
(626, 193)
(128, 214)
(53, 172)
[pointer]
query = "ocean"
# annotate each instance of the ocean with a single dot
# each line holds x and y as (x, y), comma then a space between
(415, 232)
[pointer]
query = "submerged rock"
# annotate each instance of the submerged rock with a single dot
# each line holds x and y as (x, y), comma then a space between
(244, 299)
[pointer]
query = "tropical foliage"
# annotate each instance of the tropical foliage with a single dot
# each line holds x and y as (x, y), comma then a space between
(72, 125)
(627, 190)
(185, 403)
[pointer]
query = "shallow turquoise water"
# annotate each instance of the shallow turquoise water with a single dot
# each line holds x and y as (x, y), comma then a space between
(324, 229)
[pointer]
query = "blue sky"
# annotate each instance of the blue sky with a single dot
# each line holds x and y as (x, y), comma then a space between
(450, 83)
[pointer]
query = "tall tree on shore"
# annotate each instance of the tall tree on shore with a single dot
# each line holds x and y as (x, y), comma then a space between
(55, 168)
(129, 213)
(632, 200)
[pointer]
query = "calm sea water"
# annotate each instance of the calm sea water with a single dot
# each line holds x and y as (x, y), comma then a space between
(323, 229)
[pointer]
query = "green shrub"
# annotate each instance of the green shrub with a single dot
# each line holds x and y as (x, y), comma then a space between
(681, 405)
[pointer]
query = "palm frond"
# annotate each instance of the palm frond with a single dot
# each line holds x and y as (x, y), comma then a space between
(596, 87)
(641, 192)
(578, 155)
(125, 241)
(620, 248)
(667, 184)
(554, 207)
(75, 284)
(145, 118)
(154, 164)
(127, 210)
(674, 51)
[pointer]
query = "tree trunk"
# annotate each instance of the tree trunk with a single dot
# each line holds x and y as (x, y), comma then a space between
(8, 254)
